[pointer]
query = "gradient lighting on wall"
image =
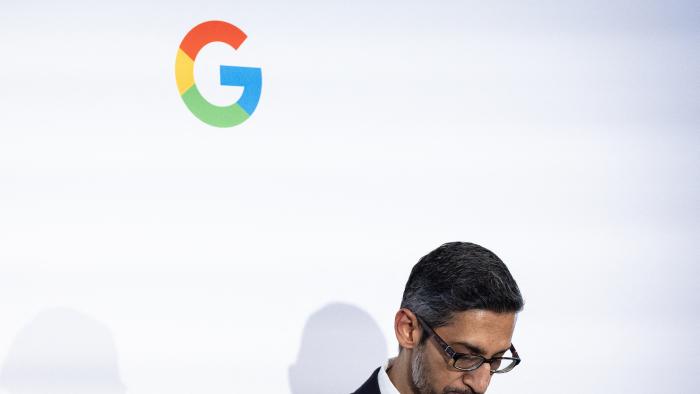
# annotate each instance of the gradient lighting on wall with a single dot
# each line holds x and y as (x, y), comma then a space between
(250, 78)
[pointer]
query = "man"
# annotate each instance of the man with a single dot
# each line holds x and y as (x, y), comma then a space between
(454, 327)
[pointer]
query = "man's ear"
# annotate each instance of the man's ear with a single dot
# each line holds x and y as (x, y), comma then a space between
(408, 330)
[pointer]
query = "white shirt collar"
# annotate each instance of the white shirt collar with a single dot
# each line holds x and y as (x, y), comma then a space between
(385, 385)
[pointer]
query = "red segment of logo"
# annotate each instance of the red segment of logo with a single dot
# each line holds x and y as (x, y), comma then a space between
(208, 32)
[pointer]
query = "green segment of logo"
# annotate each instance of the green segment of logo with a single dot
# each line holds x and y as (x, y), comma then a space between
(214, 115)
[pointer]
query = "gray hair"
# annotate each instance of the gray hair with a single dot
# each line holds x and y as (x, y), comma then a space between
(456, 277)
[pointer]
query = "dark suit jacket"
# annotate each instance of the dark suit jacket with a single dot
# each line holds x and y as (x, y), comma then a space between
(371, 386)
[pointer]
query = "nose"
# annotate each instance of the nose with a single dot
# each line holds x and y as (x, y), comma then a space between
(479, 379)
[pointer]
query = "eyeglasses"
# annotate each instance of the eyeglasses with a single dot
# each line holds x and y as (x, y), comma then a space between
(472, 362)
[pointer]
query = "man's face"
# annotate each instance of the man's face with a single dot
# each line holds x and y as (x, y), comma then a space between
(479, 332)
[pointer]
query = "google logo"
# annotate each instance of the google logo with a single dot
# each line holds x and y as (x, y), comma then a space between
(249, 78)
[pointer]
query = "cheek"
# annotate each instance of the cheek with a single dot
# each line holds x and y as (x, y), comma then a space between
(440, 375)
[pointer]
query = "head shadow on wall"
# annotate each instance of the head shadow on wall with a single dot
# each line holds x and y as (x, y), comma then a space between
(62, 351)
(340, 347)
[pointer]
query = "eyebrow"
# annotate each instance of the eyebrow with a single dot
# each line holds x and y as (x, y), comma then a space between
(478, 350)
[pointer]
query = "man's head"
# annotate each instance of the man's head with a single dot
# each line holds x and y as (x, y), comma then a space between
(464, 295)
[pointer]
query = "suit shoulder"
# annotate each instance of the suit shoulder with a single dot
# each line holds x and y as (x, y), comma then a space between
(371, 386)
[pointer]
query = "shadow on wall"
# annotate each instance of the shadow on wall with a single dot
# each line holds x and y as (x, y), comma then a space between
(62, 351)
(340, 347)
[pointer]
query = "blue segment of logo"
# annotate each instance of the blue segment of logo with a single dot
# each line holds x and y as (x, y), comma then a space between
(248, 77)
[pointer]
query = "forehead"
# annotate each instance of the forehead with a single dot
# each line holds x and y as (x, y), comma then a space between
(490, 331)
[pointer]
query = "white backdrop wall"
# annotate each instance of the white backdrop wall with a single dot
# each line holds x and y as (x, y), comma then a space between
(143, 251)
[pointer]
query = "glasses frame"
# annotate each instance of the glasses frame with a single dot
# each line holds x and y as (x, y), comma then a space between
(455, 356)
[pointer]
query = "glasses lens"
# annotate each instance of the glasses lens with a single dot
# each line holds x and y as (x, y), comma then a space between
(503, 365)
(468, 362)
(499, 365)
